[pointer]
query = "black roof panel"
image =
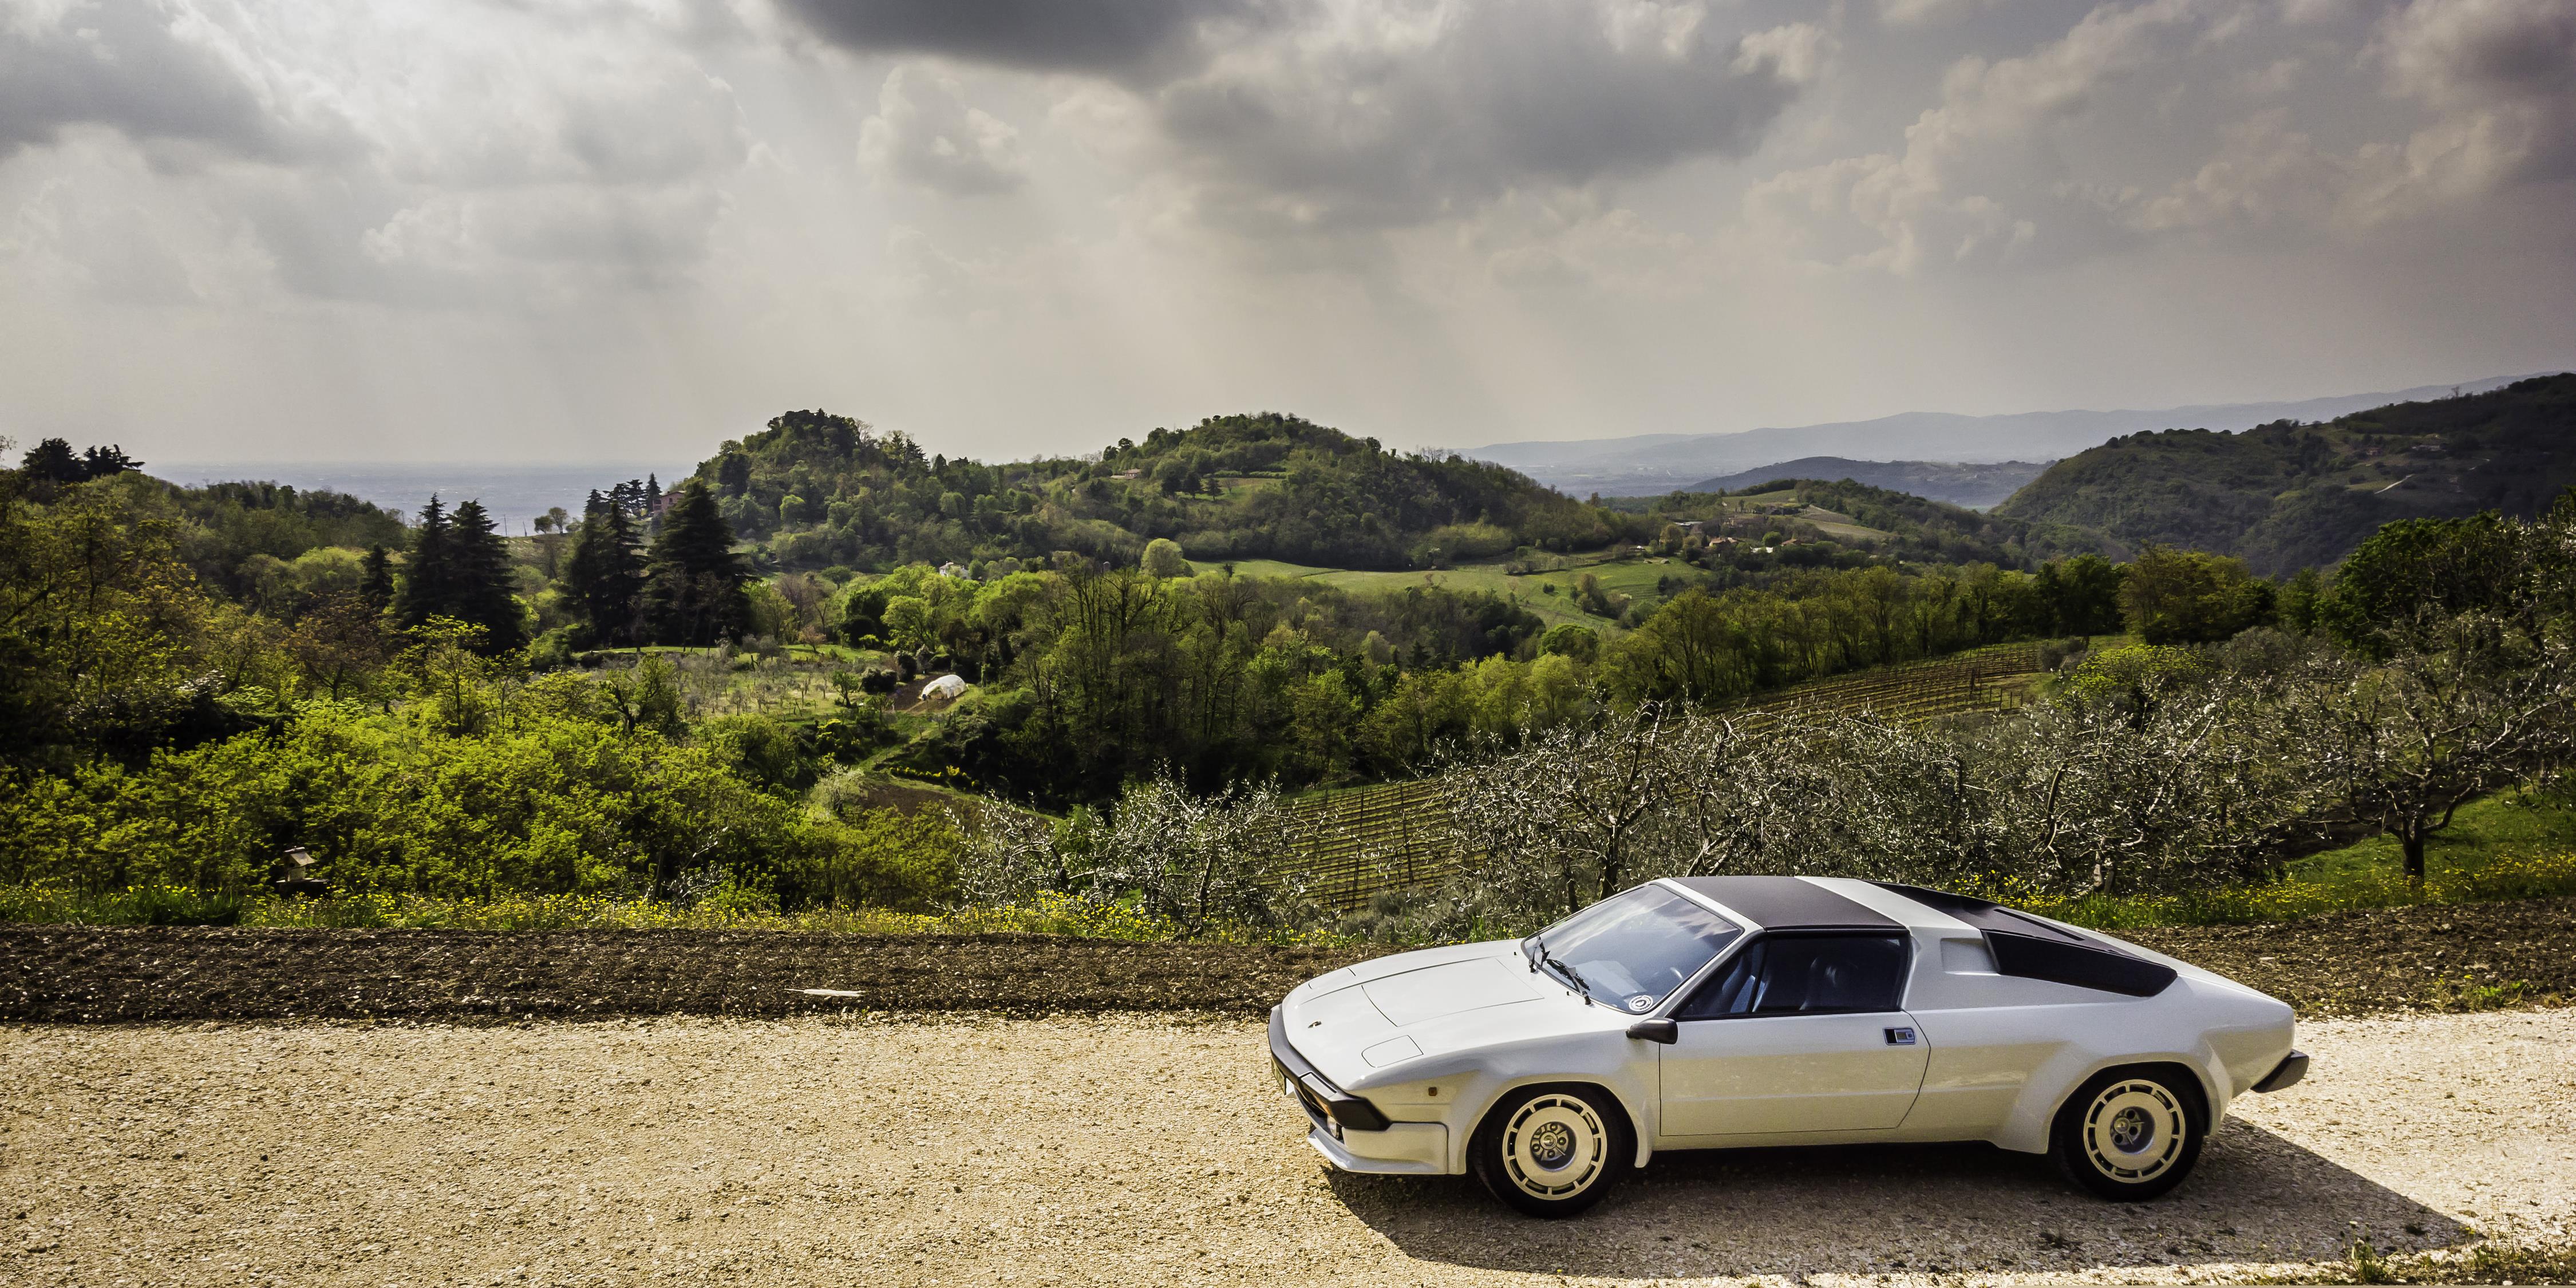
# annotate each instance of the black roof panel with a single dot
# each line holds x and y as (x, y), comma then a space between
(1787, 903)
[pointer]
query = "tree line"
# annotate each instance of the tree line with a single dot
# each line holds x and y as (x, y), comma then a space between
(2436, 665)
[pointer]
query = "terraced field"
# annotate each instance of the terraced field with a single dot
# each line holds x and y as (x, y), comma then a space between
(1362, 841)
(1987, 679)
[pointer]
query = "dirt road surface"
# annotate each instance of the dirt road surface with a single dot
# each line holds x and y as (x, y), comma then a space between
(1124, 1149)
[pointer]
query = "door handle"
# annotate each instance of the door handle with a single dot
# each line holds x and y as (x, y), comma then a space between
(1902, 1035)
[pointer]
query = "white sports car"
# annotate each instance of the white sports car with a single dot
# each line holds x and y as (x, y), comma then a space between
(1714, 1012)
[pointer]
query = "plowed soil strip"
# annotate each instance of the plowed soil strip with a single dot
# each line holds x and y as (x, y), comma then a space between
(2347, 964)
(117, 974)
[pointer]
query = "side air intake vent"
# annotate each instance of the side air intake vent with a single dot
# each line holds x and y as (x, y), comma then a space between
(2083, 965)
(2024, 945)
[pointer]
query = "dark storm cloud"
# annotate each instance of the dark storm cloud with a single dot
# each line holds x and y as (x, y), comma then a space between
(1123, 38)
(124, 65)
(1448, 106)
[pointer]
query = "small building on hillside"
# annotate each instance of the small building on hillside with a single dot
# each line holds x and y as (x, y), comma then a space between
(952, 568)
(944, 689)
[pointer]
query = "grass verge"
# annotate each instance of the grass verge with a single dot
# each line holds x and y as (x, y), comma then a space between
(178, 906)
(2487, 1263)
(2299, 896)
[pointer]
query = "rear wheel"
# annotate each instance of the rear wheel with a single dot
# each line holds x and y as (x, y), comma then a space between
(2130, 1134)
(1551, 1151)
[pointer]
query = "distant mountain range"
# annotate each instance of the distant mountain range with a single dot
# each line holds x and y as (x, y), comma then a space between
(1976, 486)
(1653, 463)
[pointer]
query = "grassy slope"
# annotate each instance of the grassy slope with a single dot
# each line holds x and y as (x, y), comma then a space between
(2485, 830)
(1635, 578)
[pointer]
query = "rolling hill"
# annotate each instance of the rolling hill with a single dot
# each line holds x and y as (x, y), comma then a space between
(819, 490)
(1651, 463)
(1975, 486)
(2288, 495)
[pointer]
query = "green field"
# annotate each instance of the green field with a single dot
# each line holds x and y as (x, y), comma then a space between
(1634, 577)
(2484, 832)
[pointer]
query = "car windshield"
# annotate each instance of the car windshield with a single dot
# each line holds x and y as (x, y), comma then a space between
(1632, 950)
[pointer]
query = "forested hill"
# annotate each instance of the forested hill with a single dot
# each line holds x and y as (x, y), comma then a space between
(1880, 521)
(1977, 484)
(822, 490)
(2286, 496)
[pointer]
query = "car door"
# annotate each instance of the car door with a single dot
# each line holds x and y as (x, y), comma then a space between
(1796, 1033)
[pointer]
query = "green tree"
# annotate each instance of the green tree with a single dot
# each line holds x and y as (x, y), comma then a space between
(339, 645)
(428, 582)
(2083, 594)
(605, 574)
(2187, 597)
(693, 579)
(376, 588)
(1569, 640)
(1163, 559)
(480, 580)
(53, 461)
(2403, 585)
(103, 629)
(2299, 601)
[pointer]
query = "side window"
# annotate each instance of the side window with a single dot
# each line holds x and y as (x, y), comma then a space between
(1731, 990)
(1803, 975)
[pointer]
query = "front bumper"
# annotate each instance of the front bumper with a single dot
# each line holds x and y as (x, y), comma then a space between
(1349, 1132)
(1333, 1109)
(1403, 1149)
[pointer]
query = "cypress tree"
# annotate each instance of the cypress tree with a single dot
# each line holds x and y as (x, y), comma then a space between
(481, 579)
(605, 573)
(693, 580)
(427, 584)
(377, 589)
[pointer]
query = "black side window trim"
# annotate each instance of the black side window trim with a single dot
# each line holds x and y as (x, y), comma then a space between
(1904, 940)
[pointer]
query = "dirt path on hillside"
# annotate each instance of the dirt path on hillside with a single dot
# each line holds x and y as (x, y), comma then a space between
(1121, 1149)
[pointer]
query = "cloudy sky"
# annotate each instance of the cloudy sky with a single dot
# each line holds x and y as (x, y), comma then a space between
(556, 230)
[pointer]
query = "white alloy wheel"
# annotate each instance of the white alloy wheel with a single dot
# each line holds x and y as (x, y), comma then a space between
(2130, 1134)
(2134, 1130)
(1555, 1146)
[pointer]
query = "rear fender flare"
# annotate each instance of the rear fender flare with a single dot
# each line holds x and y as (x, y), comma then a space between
(2035, 1113)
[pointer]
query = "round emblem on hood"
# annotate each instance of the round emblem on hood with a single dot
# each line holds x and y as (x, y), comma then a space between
(1641, 1002)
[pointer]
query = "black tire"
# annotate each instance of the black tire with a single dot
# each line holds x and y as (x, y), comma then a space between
(1552, 1151)
(2130, 1134)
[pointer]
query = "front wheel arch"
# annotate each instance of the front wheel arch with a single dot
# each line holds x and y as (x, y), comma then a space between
(1486, 1151)
(1639, 1133)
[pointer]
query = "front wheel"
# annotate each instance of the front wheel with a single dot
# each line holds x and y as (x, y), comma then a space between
(2129, 1135)
(1551, 1151)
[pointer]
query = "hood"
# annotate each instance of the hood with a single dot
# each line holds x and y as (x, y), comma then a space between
(1399, 963)
(1376, 1014)
(1445, 988)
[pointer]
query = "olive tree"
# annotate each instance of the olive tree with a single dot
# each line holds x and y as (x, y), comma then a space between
(2400, 746)
(1199, 862)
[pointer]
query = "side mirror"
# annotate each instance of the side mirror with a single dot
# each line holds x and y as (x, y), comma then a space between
(1664, 1031)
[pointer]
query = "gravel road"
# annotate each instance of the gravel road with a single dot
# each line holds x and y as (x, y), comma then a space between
(1122, 1149)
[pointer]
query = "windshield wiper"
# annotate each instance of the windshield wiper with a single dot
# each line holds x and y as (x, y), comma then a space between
(1572, 976)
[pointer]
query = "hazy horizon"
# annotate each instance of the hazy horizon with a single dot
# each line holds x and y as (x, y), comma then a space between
(546, 230)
